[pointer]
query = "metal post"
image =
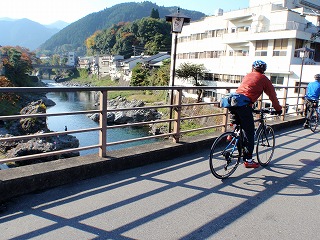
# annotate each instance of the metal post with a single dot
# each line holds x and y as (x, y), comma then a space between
(173, 74)
(284, 102)
(225, 116)
(177, 116)
(103, 124)
(299, 87)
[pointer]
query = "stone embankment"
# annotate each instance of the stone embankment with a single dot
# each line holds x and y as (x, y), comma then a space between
(130, 116)
(34, 127)
(122, 117)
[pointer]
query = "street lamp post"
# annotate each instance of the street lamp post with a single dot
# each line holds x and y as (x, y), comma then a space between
(177, 21)
(303, 54)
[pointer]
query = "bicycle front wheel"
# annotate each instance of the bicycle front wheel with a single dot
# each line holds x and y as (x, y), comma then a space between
(265, 145)
(313, 122)
(224, 155)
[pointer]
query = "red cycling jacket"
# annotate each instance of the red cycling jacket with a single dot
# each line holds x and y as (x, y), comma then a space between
(254, 84)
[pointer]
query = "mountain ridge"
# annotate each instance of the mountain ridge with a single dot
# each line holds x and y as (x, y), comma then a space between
(61, 37)
(73, 36)
(26, 33)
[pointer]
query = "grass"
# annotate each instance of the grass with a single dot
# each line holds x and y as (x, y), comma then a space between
(151, 97)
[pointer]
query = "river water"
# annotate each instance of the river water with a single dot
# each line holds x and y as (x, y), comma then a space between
(79, 101)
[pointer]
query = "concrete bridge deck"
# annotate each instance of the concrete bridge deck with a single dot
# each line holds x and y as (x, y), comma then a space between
(180, 199)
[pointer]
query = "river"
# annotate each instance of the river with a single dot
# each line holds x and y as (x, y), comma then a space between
(79, 101)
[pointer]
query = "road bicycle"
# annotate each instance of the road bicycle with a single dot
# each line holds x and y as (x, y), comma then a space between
(313, 116)
(227, 150)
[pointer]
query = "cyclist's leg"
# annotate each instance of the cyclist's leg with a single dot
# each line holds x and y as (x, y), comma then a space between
(313, 120)
(246, 118)
(307, 113)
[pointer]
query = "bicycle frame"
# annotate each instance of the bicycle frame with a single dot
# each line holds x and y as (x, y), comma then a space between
(238, 131)
(227, 150)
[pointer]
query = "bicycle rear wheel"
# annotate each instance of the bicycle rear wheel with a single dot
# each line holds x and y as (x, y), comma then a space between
(265, 145)
(224, 155)
(313, 122)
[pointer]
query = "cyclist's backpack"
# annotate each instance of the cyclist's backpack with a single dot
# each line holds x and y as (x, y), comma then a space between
(234, 100)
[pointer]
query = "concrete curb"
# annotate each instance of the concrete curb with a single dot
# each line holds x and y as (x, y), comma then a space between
(31, 178)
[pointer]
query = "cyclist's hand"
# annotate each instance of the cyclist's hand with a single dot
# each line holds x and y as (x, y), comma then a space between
(278, 112)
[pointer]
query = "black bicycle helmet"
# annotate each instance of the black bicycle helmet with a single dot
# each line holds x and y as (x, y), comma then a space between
(317, 76)
(260, 66)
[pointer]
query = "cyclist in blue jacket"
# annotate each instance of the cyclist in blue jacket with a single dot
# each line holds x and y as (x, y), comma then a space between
(311, 97)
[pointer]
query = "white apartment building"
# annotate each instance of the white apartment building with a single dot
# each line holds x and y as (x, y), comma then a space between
(269, 30)
(108, 64)
(71, 59)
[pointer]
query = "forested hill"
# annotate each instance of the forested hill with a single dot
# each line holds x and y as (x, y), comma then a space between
(72, 37)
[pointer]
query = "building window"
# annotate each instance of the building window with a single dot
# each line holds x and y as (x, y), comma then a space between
(227, 78)
(280, 47)
(303, 85)
(220, 32)
(221, 53)
(233, 30)
(277, 79)
(316, 47)
(261, 48)
(241, 53)
(211, 33)
(299, 44)
(208, 77)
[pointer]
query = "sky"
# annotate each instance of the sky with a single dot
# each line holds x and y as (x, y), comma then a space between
(50, 11)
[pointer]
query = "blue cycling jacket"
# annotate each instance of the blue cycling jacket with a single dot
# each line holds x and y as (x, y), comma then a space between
(313, 90)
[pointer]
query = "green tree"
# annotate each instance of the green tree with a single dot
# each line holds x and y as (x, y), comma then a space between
(155, 13)
(18, 64)
(91, 44)
(150, 34)
(139, 76)
(55, 60)
(193, 71)
(160, 76)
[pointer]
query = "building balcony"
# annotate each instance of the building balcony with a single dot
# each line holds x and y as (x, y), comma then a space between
(282, 30)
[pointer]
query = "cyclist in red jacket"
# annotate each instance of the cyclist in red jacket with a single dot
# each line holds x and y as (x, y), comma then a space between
(252, 86)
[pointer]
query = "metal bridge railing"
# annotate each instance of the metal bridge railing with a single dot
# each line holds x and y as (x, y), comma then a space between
(217, 116)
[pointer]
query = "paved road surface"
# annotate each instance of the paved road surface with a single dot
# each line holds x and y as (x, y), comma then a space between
(180, 199)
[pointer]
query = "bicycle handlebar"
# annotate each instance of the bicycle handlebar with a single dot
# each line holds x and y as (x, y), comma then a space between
(270, 111)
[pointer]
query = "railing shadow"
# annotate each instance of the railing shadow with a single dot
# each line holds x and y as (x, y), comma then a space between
(161, 196)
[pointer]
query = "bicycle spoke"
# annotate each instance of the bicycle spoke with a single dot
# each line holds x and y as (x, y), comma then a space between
(313, 122)
(265, 146)
(224, 156)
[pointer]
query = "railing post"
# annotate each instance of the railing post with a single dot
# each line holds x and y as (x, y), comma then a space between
(304, 93)
(259, 106)
(170, 114)
(225, 116)
(177, 116)
(103, 124)
(284, 103)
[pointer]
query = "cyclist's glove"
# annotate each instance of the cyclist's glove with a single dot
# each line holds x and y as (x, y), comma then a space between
(279, 112)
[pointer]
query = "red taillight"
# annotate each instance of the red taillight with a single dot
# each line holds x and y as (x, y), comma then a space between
(229, 138)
